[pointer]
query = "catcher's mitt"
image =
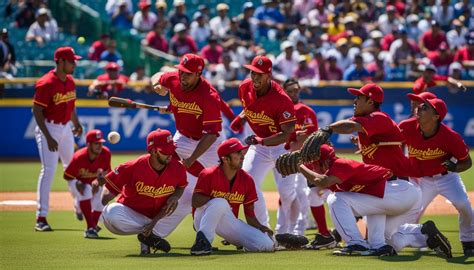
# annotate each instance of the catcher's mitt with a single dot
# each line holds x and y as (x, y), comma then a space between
(288, 163)
(311, 146)
(291, 241)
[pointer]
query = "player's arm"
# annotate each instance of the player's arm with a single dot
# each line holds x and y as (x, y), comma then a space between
(253, 221)
(107, 196)
(319, 180)
(346, 127)
(206, 141)
(275, 139)
(199, 200)
(459, 166)
(156, 85)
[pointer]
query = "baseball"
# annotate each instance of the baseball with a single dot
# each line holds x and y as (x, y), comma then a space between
(113, 137)
(81, 40)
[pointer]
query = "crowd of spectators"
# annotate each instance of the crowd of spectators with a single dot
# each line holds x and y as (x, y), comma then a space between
(391, 40)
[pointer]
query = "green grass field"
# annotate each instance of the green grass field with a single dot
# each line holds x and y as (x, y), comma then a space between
(22, 176)
(65, 248)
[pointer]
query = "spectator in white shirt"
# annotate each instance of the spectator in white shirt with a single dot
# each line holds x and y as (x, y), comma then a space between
(113, 5)
(286, 62)
(443, 14)
(389, 21)
(457, 36)
(43, 30)
(200, 30)
(220, 24)
(144, 19)
(299, 33)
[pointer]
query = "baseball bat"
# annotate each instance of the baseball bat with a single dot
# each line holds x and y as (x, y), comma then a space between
(130, 104)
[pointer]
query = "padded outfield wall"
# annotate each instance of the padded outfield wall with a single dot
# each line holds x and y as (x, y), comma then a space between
(331, 103)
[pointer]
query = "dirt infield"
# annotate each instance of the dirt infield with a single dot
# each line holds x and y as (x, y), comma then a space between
(25, 201)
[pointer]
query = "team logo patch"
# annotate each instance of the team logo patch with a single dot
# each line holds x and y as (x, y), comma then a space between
(260, 62)
(169, 138)
(98, 135)
(116, 171)
(286, 115)
(185, 60)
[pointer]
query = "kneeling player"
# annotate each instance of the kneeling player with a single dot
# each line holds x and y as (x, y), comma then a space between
(219, 192)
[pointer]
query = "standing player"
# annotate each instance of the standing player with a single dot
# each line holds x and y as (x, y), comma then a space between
(306, 123)
(195, 105)
(219, 192)
(87, 165)
(53, 108)
(271, 115)
(440, 163)
(149, 187)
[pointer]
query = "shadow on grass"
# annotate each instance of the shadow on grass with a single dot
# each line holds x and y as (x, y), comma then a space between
(67, 230)
(173, 255)
(102, 238)
(417, 255)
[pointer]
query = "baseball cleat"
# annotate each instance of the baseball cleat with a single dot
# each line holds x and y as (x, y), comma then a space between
(98, 228)
(91, 233)
(322, 241)
(352, 250)
(144, 249)
(386, 250)
(154, 242)
(201, 246)
(336, 235)
(79, 216)
(468, 248)
(436, 240)
(42, 226)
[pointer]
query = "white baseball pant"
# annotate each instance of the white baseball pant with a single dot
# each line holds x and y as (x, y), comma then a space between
(216, 217)
(123, 220)
(96, 201)
(384, 215)
(258, 161)
(49, 161)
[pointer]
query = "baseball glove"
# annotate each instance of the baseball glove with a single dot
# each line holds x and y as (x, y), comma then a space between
(310, 150)
(288, 163)
(291, 241)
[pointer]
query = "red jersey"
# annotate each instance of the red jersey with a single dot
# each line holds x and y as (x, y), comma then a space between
(428, 154)
(431, 41)
(96, 49)
(379, 127)
(196, 112)
(213, 183)
(305, 119)
(85, 170)
(156, 41)
(267, 113)
(358, 177)
(437, 61)
(463, 54)
(422, 86)
(56, 97)
(142, 188)
(112, 88)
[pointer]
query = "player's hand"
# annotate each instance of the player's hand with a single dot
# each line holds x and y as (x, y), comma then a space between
(252, 140)
(355, 140)
(266, 230)
(80, 187)
(95, 186)
(171, 205)
(187, 162)
(77, 130)
(52, 144)
(449, 165)
(163, 109)
(147, 229)
(236, 125)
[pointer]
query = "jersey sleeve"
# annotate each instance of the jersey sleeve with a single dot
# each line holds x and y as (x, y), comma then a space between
(116, 179)
(287, 112)
(211, 120)
(182, 181)
(342, 169)
(42, 94)
(108, 161)
(310, 121)
(458, 147)
(167, 78)
(203, 185)
(372, 124)
(251, 192)
(73, 168)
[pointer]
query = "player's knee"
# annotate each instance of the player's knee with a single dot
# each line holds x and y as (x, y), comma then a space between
(219, 204)
(463, 206)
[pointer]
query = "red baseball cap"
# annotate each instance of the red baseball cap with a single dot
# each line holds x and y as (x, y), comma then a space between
(370, 90)
(144, 4)
(438, 105)
(191, 63)
(424, 95)
(327, 152)
(162, 140)
(260, 64)
(230, 146)
(112, 65)
(94, 136)
(66, 53)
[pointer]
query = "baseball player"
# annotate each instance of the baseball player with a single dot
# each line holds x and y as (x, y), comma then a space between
(367, 190)
(53, 109)
(88, 164)
(429, 77)
(414, 104)
(306, 123)
(149, 187)
(440, 163)
(195, 105)
(271, 115)
(219, 192)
